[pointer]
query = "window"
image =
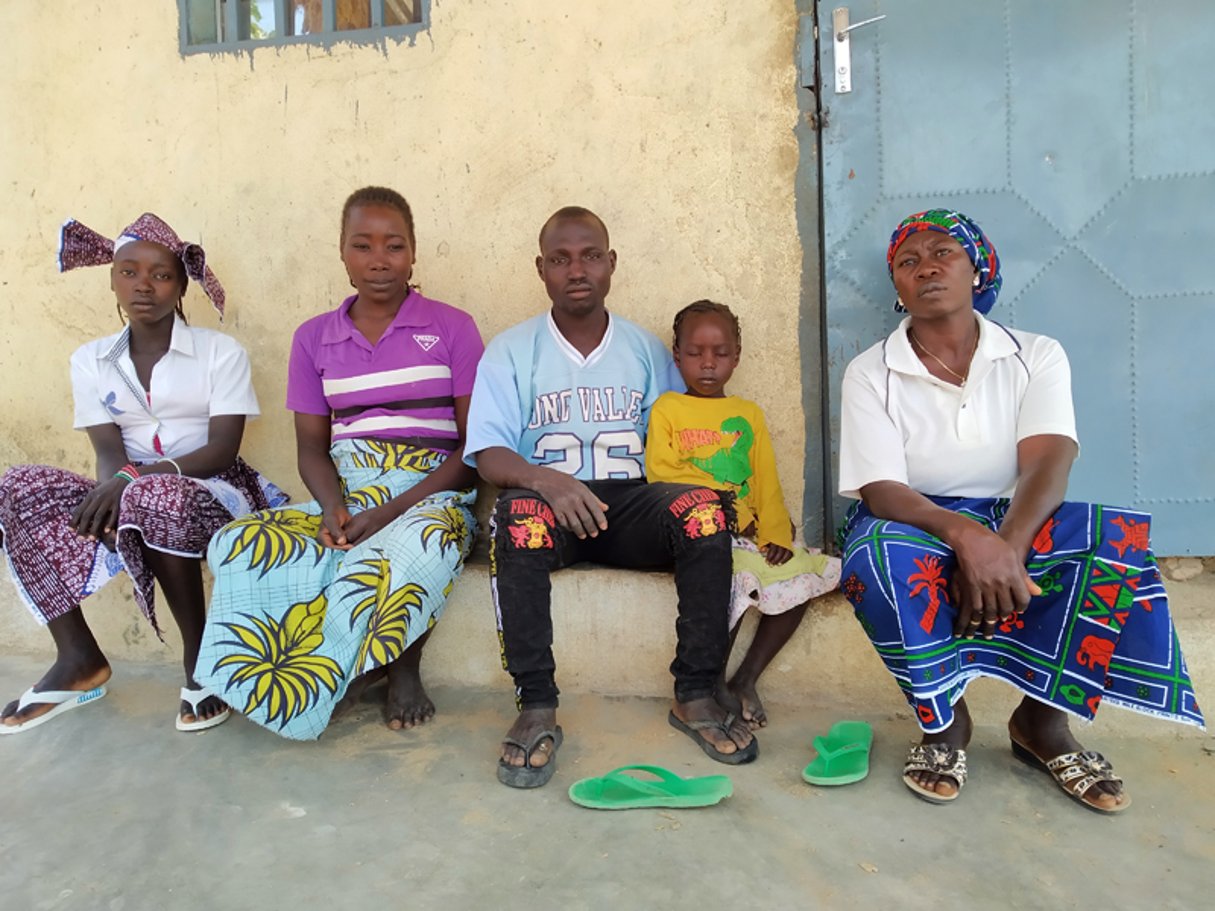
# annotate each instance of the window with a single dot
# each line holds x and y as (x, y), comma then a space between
(218, 25)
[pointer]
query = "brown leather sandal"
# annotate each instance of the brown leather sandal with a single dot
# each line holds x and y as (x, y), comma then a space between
(940, 759)
(1076, 773)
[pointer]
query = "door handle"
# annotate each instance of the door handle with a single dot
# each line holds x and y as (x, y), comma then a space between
(842, 49)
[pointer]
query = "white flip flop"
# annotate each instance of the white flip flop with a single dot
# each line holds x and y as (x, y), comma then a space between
(195, 697)
(62, 700)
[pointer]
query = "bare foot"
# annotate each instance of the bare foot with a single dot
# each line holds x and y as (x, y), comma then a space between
(1044, 732)
(407, 705)
(750, 709)
(358, 687)
(739, 735)
(64, 674)
(726, 697)
(530, 723)
(957, 736)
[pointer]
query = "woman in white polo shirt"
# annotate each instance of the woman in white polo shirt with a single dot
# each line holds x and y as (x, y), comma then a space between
(164, 405)
(962, 559)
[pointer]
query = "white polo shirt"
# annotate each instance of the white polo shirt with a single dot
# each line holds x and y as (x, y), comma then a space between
(203, 374)
(901, 423)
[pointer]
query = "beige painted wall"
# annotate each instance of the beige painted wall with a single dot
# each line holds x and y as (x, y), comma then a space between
(673, 120)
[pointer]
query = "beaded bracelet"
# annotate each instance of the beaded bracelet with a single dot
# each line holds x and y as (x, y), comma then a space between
(171, 462)
(127, 472)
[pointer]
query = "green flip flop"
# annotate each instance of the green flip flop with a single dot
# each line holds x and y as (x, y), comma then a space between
(843, 755)
(618, 791)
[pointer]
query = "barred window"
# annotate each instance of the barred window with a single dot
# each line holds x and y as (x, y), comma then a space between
(220, 25)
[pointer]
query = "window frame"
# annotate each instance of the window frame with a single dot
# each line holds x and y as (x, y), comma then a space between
(374, 34)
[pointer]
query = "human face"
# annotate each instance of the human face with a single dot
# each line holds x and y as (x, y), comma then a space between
(706, 354)
(933, 275)
(576, 266)
(378, 253)
(148, 279)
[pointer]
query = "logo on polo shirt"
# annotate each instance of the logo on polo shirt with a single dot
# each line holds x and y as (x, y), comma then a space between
(426, 341)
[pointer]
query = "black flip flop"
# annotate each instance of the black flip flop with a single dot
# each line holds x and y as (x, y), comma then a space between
(691, 728)
(527, 775)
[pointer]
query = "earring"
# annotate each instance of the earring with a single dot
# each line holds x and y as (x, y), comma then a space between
(976, 281)
(898, 305)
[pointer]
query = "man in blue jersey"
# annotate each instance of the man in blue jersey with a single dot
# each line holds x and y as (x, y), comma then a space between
(557, 421)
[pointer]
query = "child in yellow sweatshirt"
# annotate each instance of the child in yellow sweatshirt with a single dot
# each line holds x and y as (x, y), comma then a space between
(708, 438)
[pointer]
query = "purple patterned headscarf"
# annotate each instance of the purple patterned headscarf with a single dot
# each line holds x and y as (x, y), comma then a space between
(962, 229)
(80, 246)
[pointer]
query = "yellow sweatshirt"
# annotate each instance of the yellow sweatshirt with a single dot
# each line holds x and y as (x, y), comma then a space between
(724, 444)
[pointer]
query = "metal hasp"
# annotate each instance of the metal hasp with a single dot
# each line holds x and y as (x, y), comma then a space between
(843, 49)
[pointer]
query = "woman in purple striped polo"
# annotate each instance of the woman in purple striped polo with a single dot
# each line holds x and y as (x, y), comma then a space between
(313, 602)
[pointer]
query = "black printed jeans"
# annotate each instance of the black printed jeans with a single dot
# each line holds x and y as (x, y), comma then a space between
(650, 526)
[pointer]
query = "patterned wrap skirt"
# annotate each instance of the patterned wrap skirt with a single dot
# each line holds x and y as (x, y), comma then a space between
(770, 589)
(1100, 630)
(292, 623)
(55, 569)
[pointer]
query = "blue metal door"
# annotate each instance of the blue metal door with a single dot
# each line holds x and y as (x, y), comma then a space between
(1080, 134)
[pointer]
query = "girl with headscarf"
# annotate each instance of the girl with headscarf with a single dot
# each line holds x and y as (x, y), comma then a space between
(164, 405)
(962, 559)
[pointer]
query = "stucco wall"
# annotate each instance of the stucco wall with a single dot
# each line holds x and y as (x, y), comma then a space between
(673, 120)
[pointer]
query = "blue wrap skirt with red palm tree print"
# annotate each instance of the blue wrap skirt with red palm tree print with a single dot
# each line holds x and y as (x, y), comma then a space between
(1100, 630)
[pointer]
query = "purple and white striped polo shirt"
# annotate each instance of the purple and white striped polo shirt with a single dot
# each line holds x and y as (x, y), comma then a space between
(402, 388)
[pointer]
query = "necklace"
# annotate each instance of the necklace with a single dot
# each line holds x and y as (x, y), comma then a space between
(961, 378)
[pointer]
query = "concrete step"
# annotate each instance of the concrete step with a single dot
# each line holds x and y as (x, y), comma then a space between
(615, 635)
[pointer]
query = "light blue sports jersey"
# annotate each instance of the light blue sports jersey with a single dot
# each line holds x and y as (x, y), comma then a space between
(536, 395)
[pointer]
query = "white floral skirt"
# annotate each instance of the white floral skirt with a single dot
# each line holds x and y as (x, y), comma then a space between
(776, 589)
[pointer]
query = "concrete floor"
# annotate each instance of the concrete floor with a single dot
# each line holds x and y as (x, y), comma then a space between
(108, 807)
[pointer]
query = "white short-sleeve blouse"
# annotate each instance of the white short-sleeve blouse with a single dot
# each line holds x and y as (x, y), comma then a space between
(900, 423)
(204, 374)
